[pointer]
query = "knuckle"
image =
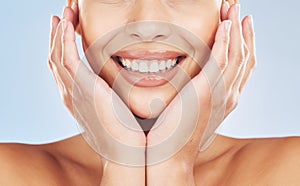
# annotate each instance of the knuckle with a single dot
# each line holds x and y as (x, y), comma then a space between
(64, 39)
(224, 40)
(65, 63)
(233, 101)
(231, 106)
(247, 53)
(65, 100)
(52, 57)
(222, 63)
(239, 58)
(50, 65)
(252, 62)
(65, 96)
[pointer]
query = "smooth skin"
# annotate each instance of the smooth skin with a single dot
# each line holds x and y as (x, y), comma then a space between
(226, 162)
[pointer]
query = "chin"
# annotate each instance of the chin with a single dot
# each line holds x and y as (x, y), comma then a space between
(150, 102)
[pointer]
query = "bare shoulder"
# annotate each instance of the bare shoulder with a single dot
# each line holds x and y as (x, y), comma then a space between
(280, 149)
(271, 161)
(26, 164)
(50, 164)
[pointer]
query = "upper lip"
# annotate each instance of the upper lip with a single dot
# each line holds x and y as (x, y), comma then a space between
(149, 54)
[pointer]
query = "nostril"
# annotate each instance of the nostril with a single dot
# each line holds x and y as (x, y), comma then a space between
(136, 36)
(160, 36)
(139, 37)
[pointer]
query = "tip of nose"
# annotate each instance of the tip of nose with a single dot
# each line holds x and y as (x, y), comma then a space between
(149, 38)
(149, 31)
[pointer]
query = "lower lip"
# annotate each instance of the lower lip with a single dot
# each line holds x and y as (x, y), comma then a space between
(148, 79)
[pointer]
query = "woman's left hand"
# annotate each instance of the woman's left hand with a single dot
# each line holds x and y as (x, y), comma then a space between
(187, 123)
(109, 126)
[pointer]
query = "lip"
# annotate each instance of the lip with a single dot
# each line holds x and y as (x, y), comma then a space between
(148, 79)
(149, 54)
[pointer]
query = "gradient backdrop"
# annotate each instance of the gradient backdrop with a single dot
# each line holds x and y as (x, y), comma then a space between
(31, 110)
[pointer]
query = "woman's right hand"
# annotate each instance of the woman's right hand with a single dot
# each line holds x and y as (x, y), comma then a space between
(100, 112)
(200, 107)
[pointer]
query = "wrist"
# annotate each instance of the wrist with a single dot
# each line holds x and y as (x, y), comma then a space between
(171, 172)
(117, 174)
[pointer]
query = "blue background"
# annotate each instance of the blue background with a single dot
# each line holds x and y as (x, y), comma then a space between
(32, 112)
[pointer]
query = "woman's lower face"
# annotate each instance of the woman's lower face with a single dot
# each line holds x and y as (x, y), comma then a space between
(147, 50)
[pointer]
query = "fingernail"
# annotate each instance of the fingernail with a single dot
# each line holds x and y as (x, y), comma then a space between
(227, 25)
(51, 20)
(74, 6)
(250, 21)
(227, 5)
(64, 12)
(237, 10)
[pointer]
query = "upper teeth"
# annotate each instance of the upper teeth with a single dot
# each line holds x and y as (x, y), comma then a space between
(145, 66)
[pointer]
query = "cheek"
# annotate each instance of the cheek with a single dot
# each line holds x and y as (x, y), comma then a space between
(95, 25)
(206, 31)
(202, 23)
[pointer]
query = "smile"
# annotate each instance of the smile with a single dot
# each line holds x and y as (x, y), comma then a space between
(148, 68)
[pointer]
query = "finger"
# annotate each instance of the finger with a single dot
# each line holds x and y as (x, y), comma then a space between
(248, 33)
(55, 76)
(249, 36)
(56, 56)
(70, 57)
(221, 45)
(56, 45)
(54, 22)
(224, 10)
(64, 83)
(71, 15)
(76, 14)
(241, 74)
(217, 64)
(236, 48)
(240, 77)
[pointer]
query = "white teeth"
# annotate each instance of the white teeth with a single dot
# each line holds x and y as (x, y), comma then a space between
(169, 63)
(173, 62)
(127, 63)
(145, 66)
(162, 65)
(154, 66)
(134, 66)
